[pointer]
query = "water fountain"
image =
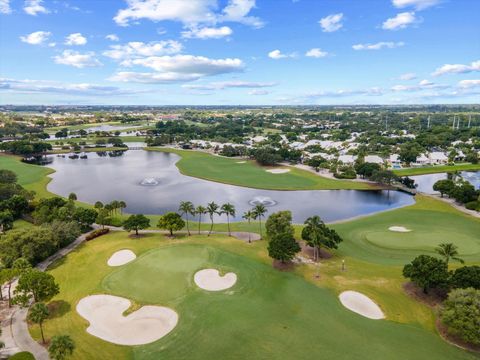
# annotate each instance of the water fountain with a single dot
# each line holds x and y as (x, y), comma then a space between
(262, 200)
(149, 182)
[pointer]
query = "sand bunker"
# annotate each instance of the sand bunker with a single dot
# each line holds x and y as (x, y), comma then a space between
(361, 304)
(105, 314)
(278, 171)
(210, 279)
(121, 258)
(399, 229)
(241, 162)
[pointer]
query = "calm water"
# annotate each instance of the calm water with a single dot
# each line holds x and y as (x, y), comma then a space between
(425, 182)
(121, 178)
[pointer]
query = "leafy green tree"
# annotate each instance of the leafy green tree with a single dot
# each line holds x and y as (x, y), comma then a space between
(229, 210)
(282, 245)
(427, 272)
(7, 177)
(385, 177)
(103, 217)
(448, 251)
(37, 314)
(212, 209)
(72, 197)
(200, 210)
(6, 221)
(136, 222)
(98, 205)
(279, 223)
(461, 314)
(259, 211)
(366, 170)
(465, 277)
(37, 284)
(249, 216)
(317, 234)
(171, 221)
(444, 187)
(122, 205)
(186, 208)
(61, 347)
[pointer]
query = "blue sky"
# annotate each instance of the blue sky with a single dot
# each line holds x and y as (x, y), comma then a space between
(229, 52)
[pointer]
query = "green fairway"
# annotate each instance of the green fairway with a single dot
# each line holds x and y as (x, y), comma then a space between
(431, 222)
(249, 174)
(267, 314)
(436, 169)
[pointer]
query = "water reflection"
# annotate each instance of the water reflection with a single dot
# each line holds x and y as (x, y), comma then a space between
(425, 182)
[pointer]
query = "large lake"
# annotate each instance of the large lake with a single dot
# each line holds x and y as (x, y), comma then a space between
(132, 178)
(425, 182)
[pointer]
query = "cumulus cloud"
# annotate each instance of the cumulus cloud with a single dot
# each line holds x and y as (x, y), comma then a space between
(190, 13)
(408, 76)
(137, 49)
(417, 4)
(36, 38)
(178, 68)
(112, 37)
(34, 7)
(331, 22)
(400, 21)
(229, 84)
(207, 32)
(5, 7)
(316, 53)
(378, 46)
(75, 39)
(457, 68)
(277, 54)
(258, 92)
(422, 85)
(76, 59)
(468, 83)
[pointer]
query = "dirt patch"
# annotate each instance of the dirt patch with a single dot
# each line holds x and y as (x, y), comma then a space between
(308, 251)
(283, 266)
(434, 298)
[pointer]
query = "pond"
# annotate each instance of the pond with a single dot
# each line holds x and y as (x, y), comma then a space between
(150, 183)
(425, 182)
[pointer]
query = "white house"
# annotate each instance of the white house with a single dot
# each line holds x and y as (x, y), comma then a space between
(421, 160)
(394, 160)
(437, 157)
(374, 159)
(347, 159)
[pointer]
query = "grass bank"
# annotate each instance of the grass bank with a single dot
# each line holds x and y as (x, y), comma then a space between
(436, 169)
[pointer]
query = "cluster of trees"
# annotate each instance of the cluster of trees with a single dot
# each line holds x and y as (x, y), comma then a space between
(59, 209)
(460, 311)
(25, 148)
(14, 200)
(462, 191)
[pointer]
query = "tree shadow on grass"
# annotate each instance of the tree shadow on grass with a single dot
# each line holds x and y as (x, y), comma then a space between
(58, 308)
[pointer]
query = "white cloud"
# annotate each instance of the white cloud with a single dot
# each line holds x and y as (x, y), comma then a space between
(207, 32)
(5, 7)
(332, 22)
(179, 68)
(316, 53)
(112, 37)
(137, 49)
(76, 59)
(190, 13)
(422, 85)
(277, 54)
(401, 21)
(45, 86)
(417, 4)
(34, 7)
(229, 84)
(258, 92)
(378, 46)
(75, 39)
(408, 76)
(457, 68)
(468, 83)
(36, 38)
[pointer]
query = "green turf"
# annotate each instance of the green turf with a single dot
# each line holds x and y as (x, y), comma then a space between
(249, 174)
(23, 355)
(268, 314)
(432, 222)
(436, 169)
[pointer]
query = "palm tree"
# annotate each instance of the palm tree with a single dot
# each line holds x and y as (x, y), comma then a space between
(229, 210)
(186, 208)
(37, 314)
(61, 347)
(249, 215)
(200, 210)
(312, 234)
(115, 205)
(259, 211)
(122, 205)
(449, 251)
(212, 209)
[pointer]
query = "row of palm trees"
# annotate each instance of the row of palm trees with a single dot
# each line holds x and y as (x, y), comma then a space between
(187, 208)
(112, 206)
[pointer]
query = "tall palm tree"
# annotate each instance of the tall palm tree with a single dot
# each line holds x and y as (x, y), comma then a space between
(187, 208)
(449, 251)
(115, 206)
(122, 205)
(212, 209)
(37, 314)
(61, 347)
(248, 215)
(313, 234)
(259, 211)
(200, 210)
(229, 210)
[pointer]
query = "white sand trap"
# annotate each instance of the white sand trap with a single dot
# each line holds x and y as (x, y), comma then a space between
(241, 162)
(278, 171)
(399, 229)
(105, 314)
(121, 257)
(210, 279)
(361, 304)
